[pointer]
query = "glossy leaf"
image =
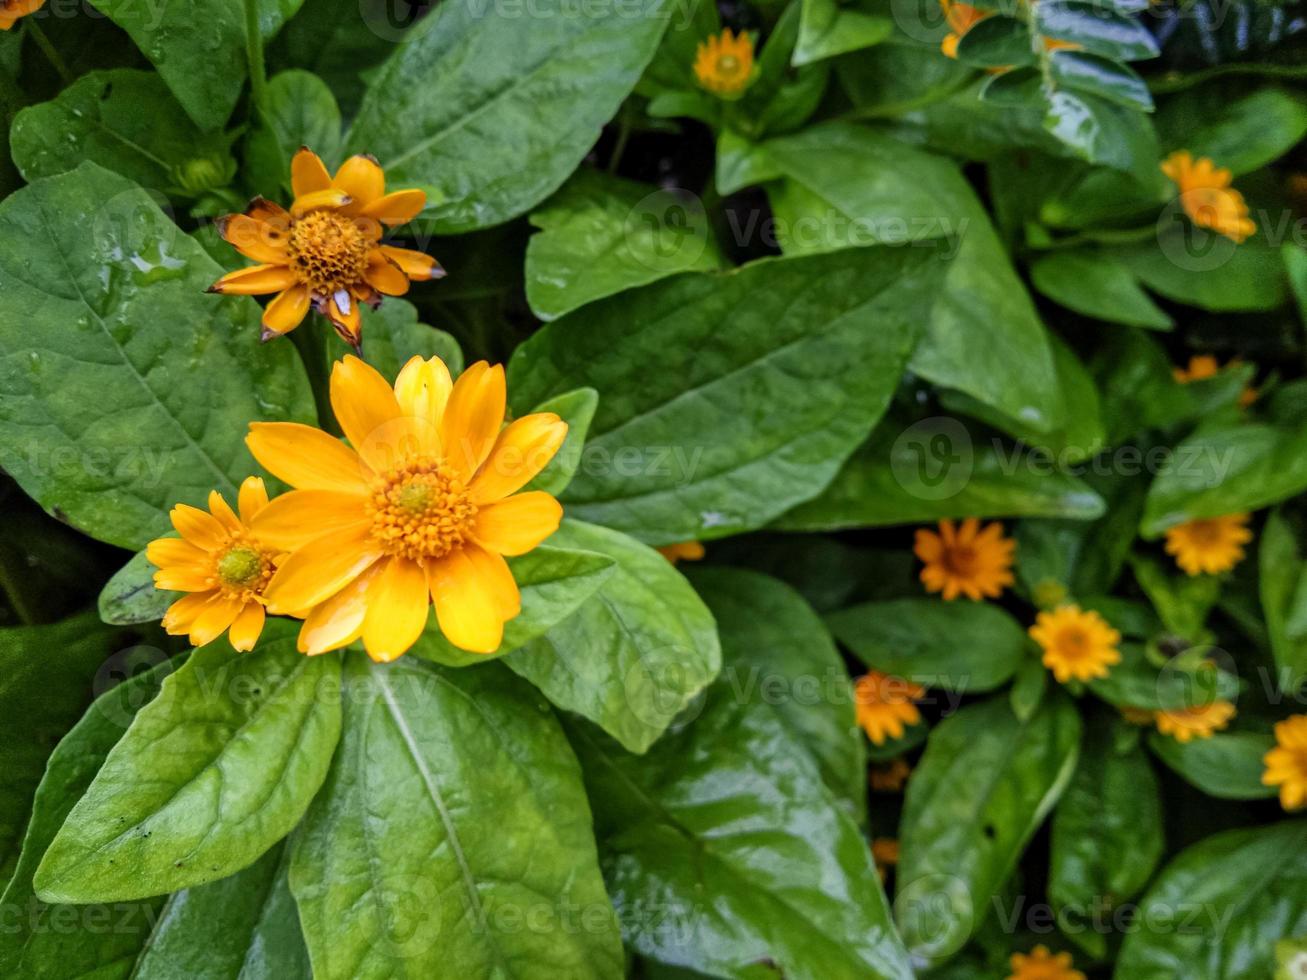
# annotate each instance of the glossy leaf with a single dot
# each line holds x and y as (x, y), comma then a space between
(1228, 765)
(211, 774)
(1103, 77)
(130, 596)
(797, 359)
(635, 653)
(827, 29)
(996, 42)
(1097, 286)
(1095, 29)
(452, 837)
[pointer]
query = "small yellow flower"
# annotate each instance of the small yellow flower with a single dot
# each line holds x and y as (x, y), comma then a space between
(1207, 197)
(1209, 546)
(223, 566)
(326, 251)
(1200, 721)
(1136, 716)
(965, 560)
(1206, 366)
(885, 853)
(889, 778)
(682, 551)
(1286, 764)
(423, 508)
(1040, 964)
(883, 704)
(723, 63)
(1077, 644)
(12, 10)
(961, 17)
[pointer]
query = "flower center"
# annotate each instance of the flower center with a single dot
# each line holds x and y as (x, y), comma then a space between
(1205, 533)
(421, 510)
(1073, 642)
(328, 251)
(728, 64)
(242, 569)
(961, 560)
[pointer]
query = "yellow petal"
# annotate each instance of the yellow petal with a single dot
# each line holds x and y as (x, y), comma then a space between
(220, 509)
(418, 266)
(386, 277)
(515, 525)
(520, 452)
(338, 622)
(473, 417)
(198, 527)
(181, 614)
(247, 627)
(218, 613)
(362, 178)
(317, 200)
(297, 517)
(321, 568)
(253, 498)
(269, 212)
(287, 310)
(254, 281)
(307, 173)
(183, 578)
(396, 208)
(422, 390)
(343, 312)
(368, 413)
(163, 552)
(397, 610)
(307, 458)
(258, 240)
(499, 578)
(466, 604)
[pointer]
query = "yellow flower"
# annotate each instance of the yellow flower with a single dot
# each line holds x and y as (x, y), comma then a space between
(1207, 197)
(683, 551)
(883, 705)
(1040, 964)
(889, 778)
(961, 17)
(885, 853)
(965, 560)
(1200, 721)
(1077, 644)
(12, 10)
(326, 251)
(223, 566)
(723, 63)
(1286, 764)
(1206, 366)
(1136, 716)
(424, 506)
(1210, 545)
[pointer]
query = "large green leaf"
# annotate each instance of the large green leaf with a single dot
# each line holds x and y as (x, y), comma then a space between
(600, 235)
(1107, 831)
(1240, 125)
(209, 777)
(298, 110)
(1228, 765)
(1097, 285)
(1220, 906)
(1282, 565)
(782, 650)
(46, 675)
(634, 653)
(127, 388)
(795, 360)
(985, 783)
(452, 837)
(1192, 265)
(493, 106)
(199, 46)
(845, 185)
(958, 646)
(725, 852)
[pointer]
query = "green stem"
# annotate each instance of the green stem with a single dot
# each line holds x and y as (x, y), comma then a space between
(623, 135)
(51, 55)
(254, 56)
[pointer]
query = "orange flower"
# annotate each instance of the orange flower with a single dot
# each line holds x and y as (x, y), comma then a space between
(223, 566)
(965, 561)
(883, 705)
(1077, 644)
(1200, 721)
(1210, 545)
(1286, 764)
(326, 251)
(1206, 366)
(12, 10)
(422, 509)
(1040, 964)
(1207, 197)
(885, 854)
(723, 63)
(890, 778)
(683, 551)
(961, 17)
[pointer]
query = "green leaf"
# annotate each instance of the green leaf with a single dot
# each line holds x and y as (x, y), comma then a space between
(1101, 76)
(782, 650)
(797, 360)
(1185, 680)
(996, 42)
(46, 680)
(1235, 894)
(600, 235)
(1139, 390)
(827, 29)
(130, 596)
(1183, 602)
(724, 850)
(1095, 29)
(851, 186)
(1227, 469)
(198, 46)
(1241, 126)
(509, 102)
(577, 409)
(128, 122)
(634, 654)
(129, 389)
(1099, 286)
(1107, 832)
(1103, 132)
(1226, 765)
(209, 777)
(1200, 268)
(930, 470)
(984, 784)
(920, 639)
(298, 110)
(554, 583)
(1282, 568)
(452, 837)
